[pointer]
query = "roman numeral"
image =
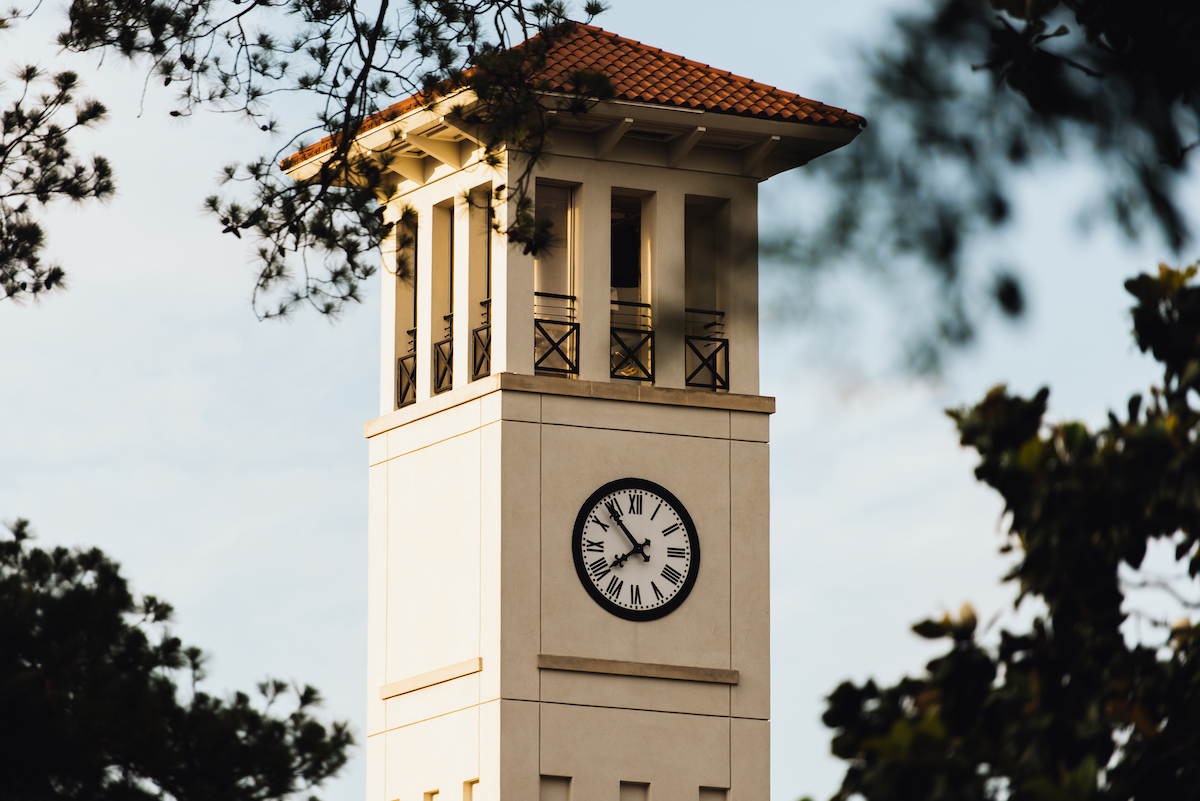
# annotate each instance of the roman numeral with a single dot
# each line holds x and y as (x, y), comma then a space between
(656, 508)
(670, 529)
(596, 520)
(671, 574)
(658, 596)
(613, 590)
(635, 504)
(635, 595)
(598, 569)
(593, 546)
(676, 552)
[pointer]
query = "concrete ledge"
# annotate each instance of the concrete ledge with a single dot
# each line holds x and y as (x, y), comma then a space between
(551, 385)
(431, 678)
(650, 670)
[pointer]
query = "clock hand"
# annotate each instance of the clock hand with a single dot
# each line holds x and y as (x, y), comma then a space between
(615, 513)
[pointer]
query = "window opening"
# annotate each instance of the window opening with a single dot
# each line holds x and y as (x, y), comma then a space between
(406, 312)
(631, 342)
(555, 330)
(443, 297)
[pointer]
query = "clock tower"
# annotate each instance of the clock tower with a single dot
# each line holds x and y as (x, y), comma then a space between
(568, 561)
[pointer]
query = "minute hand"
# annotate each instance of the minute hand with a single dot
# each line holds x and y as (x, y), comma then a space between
(615, 513)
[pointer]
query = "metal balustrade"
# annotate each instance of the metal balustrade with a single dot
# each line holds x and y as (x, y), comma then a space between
(481, 343)
(631, 345)
(555, 334)
(406, 373)
(706, 349)
(443, 359)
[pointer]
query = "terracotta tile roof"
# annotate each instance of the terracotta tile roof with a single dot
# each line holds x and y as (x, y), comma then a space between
(650, 75)
(647, 75)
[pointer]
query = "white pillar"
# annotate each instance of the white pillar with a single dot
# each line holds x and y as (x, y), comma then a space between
(427, 329)
(461, 302)
(593, 207)
(512, 299)
(662, 235)
(742, 311)
(389, 335)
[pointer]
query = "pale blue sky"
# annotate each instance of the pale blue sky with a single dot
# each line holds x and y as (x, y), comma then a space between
(221, 460)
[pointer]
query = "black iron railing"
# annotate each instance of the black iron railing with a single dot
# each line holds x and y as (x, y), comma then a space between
(481, 343)
(706, 349)
(406, 373)
(631, 346)
(443, 359)
(555, 334)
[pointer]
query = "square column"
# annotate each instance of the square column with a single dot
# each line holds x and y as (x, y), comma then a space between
(743, 292)
(426, 326)
(463, 313)
(663, 239)
(512, 302)
(389, 345)
(593, 200)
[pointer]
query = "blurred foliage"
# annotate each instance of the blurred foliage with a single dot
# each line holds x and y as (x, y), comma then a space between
(344, 61)
(968, 99)
(1079, 706)
(90, 698)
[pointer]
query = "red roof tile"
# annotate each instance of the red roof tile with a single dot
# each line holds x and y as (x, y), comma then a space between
(650, 75)
(646, 74)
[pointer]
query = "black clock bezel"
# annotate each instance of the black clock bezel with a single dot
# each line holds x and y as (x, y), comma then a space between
(581, 566)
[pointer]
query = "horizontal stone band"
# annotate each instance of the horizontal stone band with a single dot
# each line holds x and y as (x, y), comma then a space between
(431, 678)
(649, 670)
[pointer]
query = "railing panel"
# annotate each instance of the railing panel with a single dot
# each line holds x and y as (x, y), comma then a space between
(706, 362)
(632, 354)
(406, 380)
(556, 347)
(555, 334)
(481, 342)
(481, 352)
(631, 343)
(443, 365)
(706, 350)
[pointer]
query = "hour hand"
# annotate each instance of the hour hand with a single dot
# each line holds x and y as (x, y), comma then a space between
(619, 561)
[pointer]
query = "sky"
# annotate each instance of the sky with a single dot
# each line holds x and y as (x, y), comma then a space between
(221, 460)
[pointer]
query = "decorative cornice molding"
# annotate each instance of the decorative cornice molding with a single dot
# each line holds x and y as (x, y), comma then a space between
(649, 670)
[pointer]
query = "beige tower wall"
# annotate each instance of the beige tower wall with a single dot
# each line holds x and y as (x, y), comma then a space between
(473, 497)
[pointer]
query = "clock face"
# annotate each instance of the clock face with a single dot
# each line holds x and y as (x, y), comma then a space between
(635, 549)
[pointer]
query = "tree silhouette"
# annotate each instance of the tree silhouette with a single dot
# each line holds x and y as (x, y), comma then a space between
(1080, 705)
(347, 62)
(36, 167)
(91, 701)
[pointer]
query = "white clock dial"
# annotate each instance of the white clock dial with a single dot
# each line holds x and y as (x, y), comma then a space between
(636, 549)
